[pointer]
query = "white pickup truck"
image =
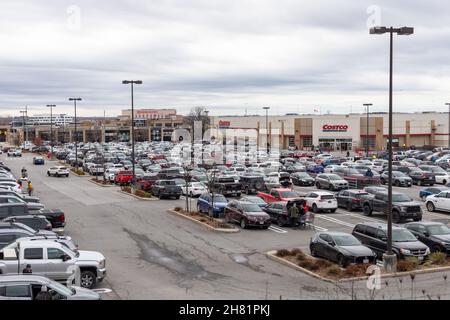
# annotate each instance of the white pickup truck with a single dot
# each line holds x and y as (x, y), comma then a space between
(53, 260)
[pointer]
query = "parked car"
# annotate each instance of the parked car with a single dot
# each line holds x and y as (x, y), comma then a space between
(166, 189)
(399, 179)
(424, 193)
(404, 243)
(321, 201)
(438, 202)
(53, 260)
(214, 206)
(403, 207)
(330, 181)
(123, 177)
(194, 189)
(435, 235)
(11, 231)
(422, 178)
(58, 171)
(146, 182)
(351, 199)
(38, 160)
(342, 248)
(36, 222)
(14, 153)
(279, 194)
(314, 168)
(440, 175)
(302, 179)
(228, 185)
(279, 211)
(11, 198)
(247, 214)
(256, 200)
(33, 287)
(252, 184)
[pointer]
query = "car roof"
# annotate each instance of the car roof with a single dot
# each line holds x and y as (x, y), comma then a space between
(378, 225)
(24, 278)
(335, 233)
(320, 193)
(355, 191)
(426, 223)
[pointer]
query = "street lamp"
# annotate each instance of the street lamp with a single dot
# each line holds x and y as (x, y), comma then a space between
(132, 82)
(389, 258)
(367, 105)
(448, 104)
(267, 127)
(76, 136)
(51, 106)
(23, 112)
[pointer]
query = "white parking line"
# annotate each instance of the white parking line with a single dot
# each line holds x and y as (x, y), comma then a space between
(337, 221)
(361, 217)
(317, 228)
(277, 230)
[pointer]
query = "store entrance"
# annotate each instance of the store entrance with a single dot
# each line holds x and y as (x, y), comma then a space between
(329, 145)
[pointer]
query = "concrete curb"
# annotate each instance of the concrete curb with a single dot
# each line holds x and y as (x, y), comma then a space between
(77, 175)
(271, 255)
(103, 185)
(234, 230)
(137, 197)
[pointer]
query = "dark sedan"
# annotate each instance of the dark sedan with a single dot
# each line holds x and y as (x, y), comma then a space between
(38, 160)
(278, 211)
(422, 178)
(351, 199)
(340, 247)
(435, 235)
(302, 179)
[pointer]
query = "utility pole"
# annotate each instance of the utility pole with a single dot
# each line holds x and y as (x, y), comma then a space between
(448, 105)
(76, 136)
(23, 125)
(367, 105)
(51, 106)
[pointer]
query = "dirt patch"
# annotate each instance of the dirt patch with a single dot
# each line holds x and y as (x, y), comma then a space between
(215, 223)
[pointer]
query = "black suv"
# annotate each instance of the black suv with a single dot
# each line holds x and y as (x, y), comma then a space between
(252, 184)
(404, 243)
(435, 235)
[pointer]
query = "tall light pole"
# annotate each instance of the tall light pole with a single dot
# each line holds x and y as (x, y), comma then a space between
(267, 128)
(23, 124)
(389, 258)
(132, 82)
(76, 135)
(367, 105)
(51, 106)
(448, 105)
(64, 127)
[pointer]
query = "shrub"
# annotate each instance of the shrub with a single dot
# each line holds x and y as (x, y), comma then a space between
(323, 264)
(178, 209)
(295, 252)
(283, 253)
(126, 189)
(408, 264)
(334, 270)
(142, 194)
(78, 172)
(438, 258)
(301, 256)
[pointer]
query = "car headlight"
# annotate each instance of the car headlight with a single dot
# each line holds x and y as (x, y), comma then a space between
(403, 209)
(102, 264)
(405, 251)
(427, 252)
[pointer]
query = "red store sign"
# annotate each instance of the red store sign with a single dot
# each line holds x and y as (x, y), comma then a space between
(335, 128)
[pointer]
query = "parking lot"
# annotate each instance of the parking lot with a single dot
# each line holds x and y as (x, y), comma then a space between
(154, 255)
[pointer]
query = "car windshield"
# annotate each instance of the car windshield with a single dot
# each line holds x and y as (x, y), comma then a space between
(399, 174)
(219, 198)
(251, 207)
(61, 289)
(256, 200)
(400, 198)
(288, 194)
(352, 171)
(438, 229)
(402, 235)
(334, 177)
(438, 170)
(346, 241)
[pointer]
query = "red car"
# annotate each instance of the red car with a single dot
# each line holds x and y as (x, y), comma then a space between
(279, 194)
(123, 177)
(146, 182)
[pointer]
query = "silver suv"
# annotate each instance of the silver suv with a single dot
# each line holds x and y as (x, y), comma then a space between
(331, 181)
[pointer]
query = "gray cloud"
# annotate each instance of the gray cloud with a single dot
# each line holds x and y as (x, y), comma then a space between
(290, 54)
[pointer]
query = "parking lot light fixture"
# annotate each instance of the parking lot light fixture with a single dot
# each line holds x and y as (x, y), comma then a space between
(389, 258)
(132, 82)
(76, 136)
(51, 106)
(267, 128)
(448, 105)
(367, 105)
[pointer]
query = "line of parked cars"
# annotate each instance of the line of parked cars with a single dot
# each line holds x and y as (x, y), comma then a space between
(32, 240)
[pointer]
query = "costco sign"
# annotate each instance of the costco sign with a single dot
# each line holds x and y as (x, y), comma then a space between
(335, 128)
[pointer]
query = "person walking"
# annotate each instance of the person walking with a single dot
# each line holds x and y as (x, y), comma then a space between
(27, 270)
(30, 188)
(293, 214)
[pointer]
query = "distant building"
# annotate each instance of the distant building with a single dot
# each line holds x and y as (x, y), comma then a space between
(45, 119)
(149, 114)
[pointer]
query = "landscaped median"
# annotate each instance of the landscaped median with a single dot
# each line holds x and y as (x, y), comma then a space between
(101, 182)
(78, 173)
(330, 272)
(207, 222)
(138, 194)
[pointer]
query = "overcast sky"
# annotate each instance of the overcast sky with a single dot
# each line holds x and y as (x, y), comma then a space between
(292, 55)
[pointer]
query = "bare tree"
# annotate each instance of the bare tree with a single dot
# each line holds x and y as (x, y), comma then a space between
(197, 114)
